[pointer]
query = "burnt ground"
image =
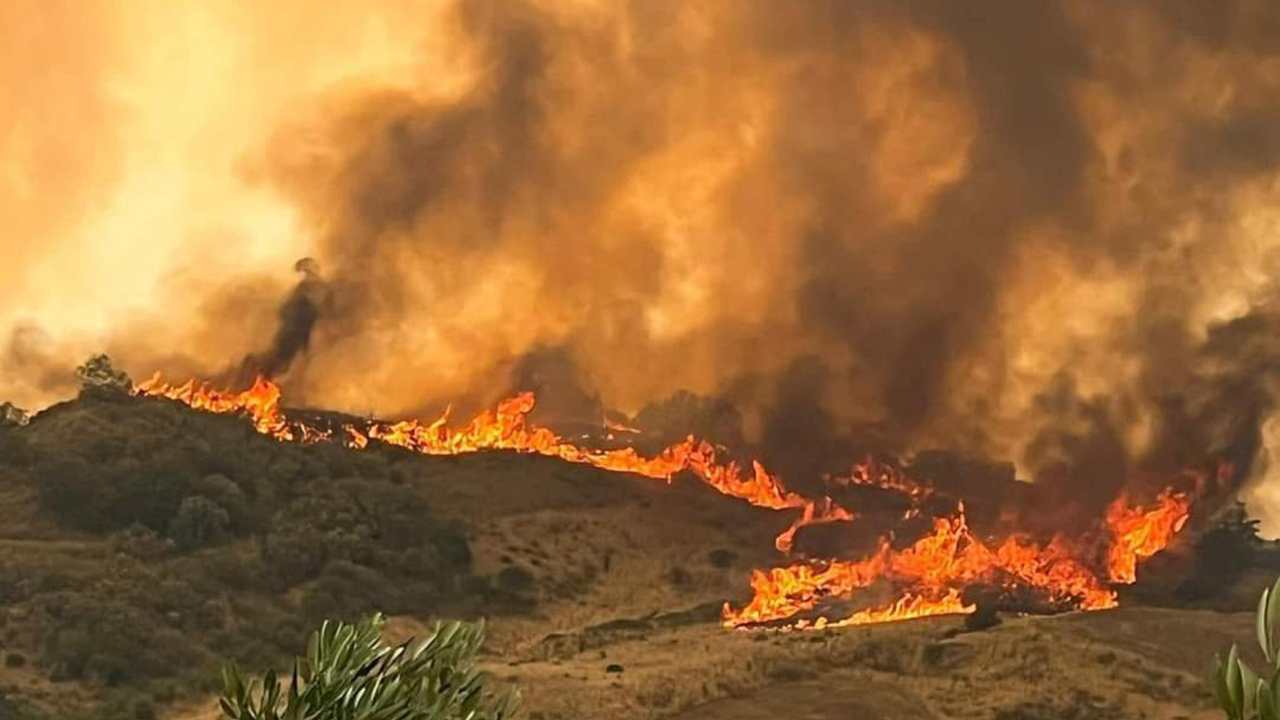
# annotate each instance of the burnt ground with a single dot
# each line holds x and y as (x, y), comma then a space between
(602, 593)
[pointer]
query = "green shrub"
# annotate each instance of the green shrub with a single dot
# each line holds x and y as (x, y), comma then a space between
(199, 522)
(100, 379)
(1242, 693)
(228, 495)
(95, 635)
(70, 490)
(349, 673)
(141, 542)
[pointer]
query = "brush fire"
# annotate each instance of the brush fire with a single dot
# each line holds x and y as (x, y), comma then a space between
(946, 569)
(665, 337)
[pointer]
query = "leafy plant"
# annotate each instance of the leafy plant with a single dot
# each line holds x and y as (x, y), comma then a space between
(1243, 693)
(349, 673)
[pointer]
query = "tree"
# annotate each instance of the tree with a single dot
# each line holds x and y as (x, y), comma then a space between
(1243, 693)
(349, 673)
(13, 416)
(198, 522)
(98, 374)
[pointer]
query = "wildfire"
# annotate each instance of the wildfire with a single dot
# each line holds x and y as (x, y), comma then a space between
(1142, 532)
(908, 607)
(506, 428)
(935, 569)
(928, 577)
(260, 403)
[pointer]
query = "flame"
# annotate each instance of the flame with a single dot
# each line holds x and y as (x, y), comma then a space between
(872, 473)
(617, 427)
(260, 403)
(935, 568)
(1139, 532)
(908, 607)
(506, 428)
(929, 577)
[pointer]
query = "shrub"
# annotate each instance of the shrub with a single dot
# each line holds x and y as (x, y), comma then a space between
(13, 416)
(15, 449)
(141, 542)
(198, 522)
(349, 672)
(98, 377)
(1242, 693)
(228, 495)
(95, 635)
(69, 490)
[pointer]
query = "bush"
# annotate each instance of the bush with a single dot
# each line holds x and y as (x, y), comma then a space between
(69, 490)
(13, 416)
(98, 376)
(228, 495)
(91, 635)
(349, 672)
(374, 523)
(198, 523)
(14, 448)
(96, 498)
(141, 542)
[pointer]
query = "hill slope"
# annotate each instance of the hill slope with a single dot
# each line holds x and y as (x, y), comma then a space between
(141, 543)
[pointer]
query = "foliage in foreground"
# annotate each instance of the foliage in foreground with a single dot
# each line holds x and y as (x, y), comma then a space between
(1243, 693)
(349, 673)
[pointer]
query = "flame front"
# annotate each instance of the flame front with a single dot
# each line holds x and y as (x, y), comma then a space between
(929, 577)
(506, 428)
(936, 568)
(1138, 533)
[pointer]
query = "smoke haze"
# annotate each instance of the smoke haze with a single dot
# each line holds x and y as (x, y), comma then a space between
(1037, 231)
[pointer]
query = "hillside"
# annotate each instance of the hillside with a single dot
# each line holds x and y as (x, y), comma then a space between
(144, 542)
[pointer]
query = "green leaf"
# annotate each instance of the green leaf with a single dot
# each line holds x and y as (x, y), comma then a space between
(1263, 701)
(349, 673)
(1272, 621)
(1264, 624)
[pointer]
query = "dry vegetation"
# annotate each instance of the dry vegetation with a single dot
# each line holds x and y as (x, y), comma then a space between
(142, 543)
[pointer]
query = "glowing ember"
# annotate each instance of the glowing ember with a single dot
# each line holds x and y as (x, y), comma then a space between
(929, 577)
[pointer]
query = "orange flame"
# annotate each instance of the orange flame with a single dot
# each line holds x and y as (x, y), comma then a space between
(505, 428)
(908, 607)
(936, 568)
(930, 575)
(1139, 532)
(261, 403)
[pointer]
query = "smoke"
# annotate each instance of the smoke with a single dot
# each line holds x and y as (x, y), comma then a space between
(1037, 231)
(296, 321)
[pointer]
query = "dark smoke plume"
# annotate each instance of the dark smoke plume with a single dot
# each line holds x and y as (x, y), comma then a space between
(926, 164)
(1036, 231)
(297, 319)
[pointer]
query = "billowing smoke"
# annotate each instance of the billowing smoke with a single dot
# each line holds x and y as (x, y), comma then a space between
(1038, 231)
(297, 319)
